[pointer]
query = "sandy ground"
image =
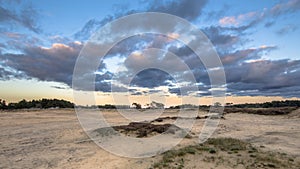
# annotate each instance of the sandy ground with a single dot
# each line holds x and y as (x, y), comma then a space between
(55, 139)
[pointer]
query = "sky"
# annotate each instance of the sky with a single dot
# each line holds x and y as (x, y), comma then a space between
(257, 42)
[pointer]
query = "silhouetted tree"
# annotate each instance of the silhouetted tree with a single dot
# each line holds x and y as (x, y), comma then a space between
(2, 104)
(155, 105)
(44, 103)
(137, 105)
(286, 103)
(217, 104)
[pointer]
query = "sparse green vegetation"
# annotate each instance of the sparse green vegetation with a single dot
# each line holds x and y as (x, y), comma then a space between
(224, 151)
(227, 144)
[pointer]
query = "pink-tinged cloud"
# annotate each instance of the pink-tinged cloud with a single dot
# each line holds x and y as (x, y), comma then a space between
(291, 6)
(238, 20)
(228, 20)
(258, 16)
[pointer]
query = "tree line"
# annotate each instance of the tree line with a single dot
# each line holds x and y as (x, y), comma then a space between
(42, 103)
(56, 103)
(286, 103)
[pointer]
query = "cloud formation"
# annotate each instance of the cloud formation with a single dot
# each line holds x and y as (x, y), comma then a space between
(263, 76)
(247, 71)
(46, 64)
(188, 9)
(287, 29)
(25, 17)
(238, 20)
(269, 16)
(283, 8)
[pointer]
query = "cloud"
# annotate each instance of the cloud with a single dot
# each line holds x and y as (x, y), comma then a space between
(151, 78)
(238, 20)
(246, 72)
(287, 29)
(228, 20)
(188, 9)
(283, 8)
(7, 74)
(59, 87)
(55, 63)
(263, 76)
(240, 56)
(25, 17)
(250, 19)
(90, 27)
(221, 38)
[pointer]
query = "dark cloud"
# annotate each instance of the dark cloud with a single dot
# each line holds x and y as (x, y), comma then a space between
(263, 76)
(59, 87)
(151, 78)
(194, 90)
(52, 64)
(240, 56)
(155, 91)
(46, 64)
(6, 74)
(188, 9)
(221, 38)
(17, 41)
(25, 17)
(137, 93)
(90, 27)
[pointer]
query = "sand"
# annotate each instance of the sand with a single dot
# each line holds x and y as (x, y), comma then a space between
(54, 139)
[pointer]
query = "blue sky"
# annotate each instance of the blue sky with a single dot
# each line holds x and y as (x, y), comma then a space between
(257, 42)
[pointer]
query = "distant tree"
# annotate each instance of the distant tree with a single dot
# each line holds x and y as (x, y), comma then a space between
(155, 105)
(217, 104)
(2, 104)
(188, 106)
(107, 106)
(286, 103)
(175, 107)
(229, 104)
(137, 105)
(44, 103)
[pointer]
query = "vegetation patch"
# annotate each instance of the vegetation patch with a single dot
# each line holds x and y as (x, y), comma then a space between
(220, 152)
(261, 111)
(141, 129)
